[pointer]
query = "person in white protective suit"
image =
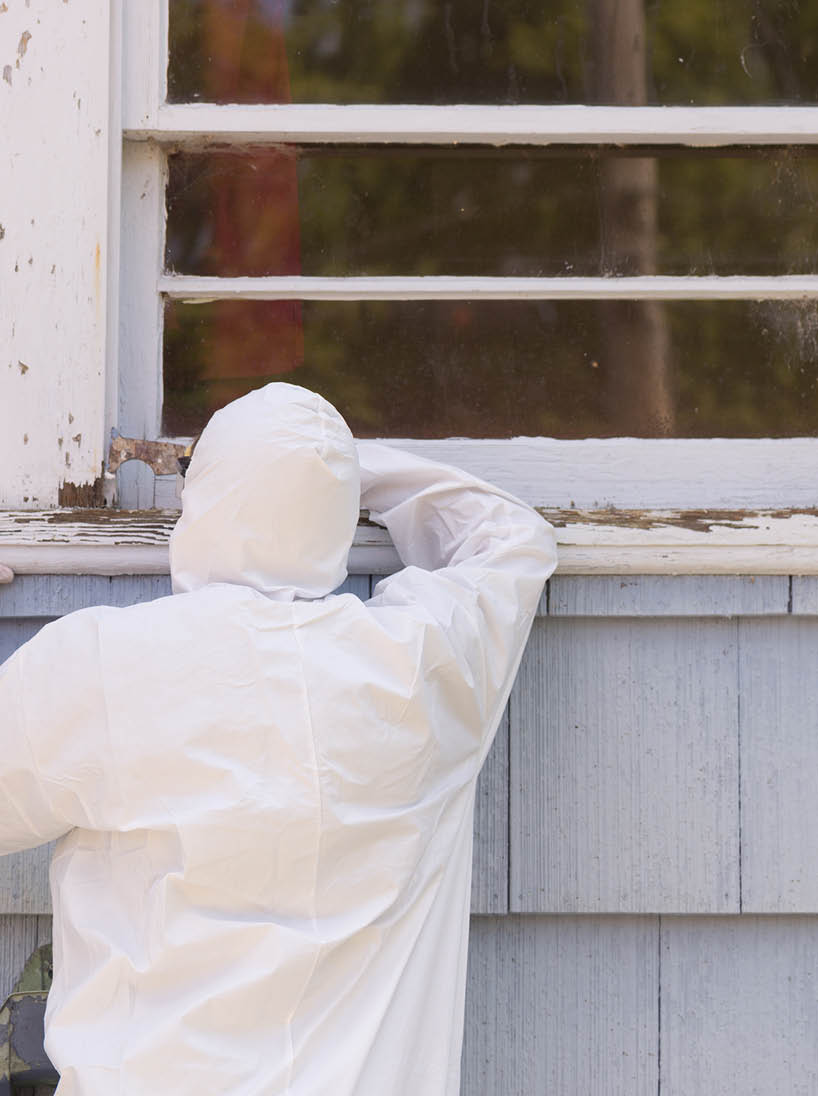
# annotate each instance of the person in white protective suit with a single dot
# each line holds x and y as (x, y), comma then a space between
(264, 791)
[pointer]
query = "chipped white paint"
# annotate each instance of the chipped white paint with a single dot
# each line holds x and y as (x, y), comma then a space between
(492, 125)
(790, 287)
(140, 330)
(55, 245)
(663, 542)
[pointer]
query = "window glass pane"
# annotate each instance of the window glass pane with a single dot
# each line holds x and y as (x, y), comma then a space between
(500, 369)
(511, 212)
(494, 51)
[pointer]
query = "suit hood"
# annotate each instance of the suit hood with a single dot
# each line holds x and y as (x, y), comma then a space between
(271, 497)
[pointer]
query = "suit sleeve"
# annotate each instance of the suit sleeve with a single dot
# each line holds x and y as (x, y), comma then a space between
(477, 561)
(51, 720)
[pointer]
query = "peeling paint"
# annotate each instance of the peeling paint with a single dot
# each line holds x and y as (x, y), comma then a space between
(70, 418)
(3, 8)
(7, 73)
(77, 438)
(22, 367)
(22, 46)
(698, 521)
(2, 232)
(25, 439)
(85, 495)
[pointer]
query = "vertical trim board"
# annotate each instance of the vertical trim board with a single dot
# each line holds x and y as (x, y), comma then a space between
(55, 249)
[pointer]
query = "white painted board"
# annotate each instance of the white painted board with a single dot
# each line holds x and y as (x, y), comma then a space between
(55, 245)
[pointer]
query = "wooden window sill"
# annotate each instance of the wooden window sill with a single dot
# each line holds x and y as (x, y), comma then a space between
(591, 542)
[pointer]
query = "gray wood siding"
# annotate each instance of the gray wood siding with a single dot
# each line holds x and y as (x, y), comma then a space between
(562, 1006)
(624, 767)
(739, 1006)
(779, 765)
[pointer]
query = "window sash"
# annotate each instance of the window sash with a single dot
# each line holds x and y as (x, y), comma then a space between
(592, 473)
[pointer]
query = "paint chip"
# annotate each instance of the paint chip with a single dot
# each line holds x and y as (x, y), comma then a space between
(68, 460)
(25, 439)
(70, 418)
(23, 367)
(7, 73)
(2, 233)
(77, 438)
(22, 45)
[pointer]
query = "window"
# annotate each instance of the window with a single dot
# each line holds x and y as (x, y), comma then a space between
(589, 277)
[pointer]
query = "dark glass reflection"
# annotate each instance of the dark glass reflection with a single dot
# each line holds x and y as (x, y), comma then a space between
(500, 369)
(511, 212)
(494, 51)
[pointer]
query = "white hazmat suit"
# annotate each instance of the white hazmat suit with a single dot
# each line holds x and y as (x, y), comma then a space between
(263, 791)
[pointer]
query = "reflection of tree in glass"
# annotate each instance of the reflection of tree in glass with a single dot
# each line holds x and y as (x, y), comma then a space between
(492, 51)
(479, 211)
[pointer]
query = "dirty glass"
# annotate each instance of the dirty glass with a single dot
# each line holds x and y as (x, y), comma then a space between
(502, 369)
(511, 212)
(697, 52)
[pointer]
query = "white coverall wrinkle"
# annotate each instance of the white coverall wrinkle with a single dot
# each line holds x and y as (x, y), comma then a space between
(263, 791)
(320, 795)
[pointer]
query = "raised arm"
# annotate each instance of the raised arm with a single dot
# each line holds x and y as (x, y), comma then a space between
(50, 717)
(477, 560)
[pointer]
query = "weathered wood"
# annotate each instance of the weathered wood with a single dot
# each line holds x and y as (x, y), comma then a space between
(779, 765)
(589, 542)
(563, 1005)
(20, 935)
(668, 595)
(17, 631)
(738, 1007)
(805, 595)
(624, 768)
(24, 881)
(489, 884)
(56, 595)
(54, 256)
